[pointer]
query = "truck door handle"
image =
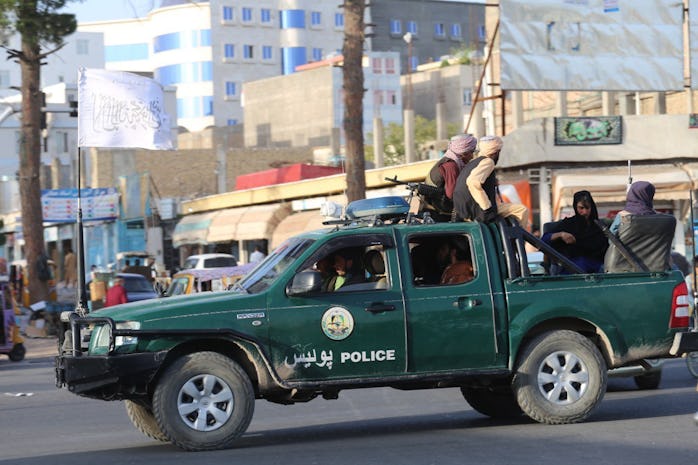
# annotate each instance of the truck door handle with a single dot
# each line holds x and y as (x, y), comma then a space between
(380, 308)
(466, 303)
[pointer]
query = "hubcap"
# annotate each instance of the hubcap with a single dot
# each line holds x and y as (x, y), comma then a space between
(563, 378)
(205, 403)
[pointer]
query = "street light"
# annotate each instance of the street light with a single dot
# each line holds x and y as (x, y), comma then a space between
(409, 111)
(408, 39)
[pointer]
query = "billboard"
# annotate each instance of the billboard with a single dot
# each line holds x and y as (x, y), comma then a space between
(60, 205)
(587, 45)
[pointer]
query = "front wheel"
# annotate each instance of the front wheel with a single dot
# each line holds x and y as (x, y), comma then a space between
(142, 418)
(561, 378)
(204, 401)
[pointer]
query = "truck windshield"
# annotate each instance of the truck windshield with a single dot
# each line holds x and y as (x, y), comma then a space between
(274, 265)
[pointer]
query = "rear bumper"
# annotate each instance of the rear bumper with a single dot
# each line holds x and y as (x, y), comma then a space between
(684, 342)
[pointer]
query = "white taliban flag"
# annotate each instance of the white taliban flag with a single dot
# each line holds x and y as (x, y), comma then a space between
(118, 109)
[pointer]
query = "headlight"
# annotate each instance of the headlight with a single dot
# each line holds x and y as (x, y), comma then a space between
(126, 340)
(99, 340)
(101, 335)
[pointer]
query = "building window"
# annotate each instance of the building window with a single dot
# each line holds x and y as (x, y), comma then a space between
(317, 54)
(391, 97)
(232, 122)
(246, 15)
(228, 14)
(377, 64)
(82, 47)
(65, 147)
(378, 97)
(229, 50)
(481, 33)
(390, 66)
(412, 27)
(439, 30)
(395, 27)
(339, 20)
(248, 52)
(414, 62)
(455, 31)
(265, 15)
(315, 19)
(267, 52)
(230, 89)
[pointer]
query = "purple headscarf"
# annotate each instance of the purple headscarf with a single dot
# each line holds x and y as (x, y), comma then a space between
(640, 198)
(461, 148)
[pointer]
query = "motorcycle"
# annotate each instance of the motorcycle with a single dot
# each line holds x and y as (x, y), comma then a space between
(11, 342)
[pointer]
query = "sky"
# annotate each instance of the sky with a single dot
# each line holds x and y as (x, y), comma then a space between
(101, 10)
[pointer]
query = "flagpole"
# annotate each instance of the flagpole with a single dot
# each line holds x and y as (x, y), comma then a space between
(81, 308)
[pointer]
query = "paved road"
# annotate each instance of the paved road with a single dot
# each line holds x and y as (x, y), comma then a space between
(371, 426)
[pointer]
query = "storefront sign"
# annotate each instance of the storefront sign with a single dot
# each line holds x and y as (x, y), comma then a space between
(61, 205)
(592, 130)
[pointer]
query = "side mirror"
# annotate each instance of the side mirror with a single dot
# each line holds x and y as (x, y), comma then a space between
(305, 282)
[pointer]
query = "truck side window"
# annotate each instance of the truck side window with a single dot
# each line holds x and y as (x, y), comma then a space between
(347, 269)
(441, 259)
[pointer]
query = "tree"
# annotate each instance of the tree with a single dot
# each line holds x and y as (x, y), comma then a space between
(353, 85)
(40, 26)
(394, 139)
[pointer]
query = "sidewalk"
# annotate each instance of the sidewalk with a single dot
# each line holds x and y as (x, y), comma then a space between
(40, 347)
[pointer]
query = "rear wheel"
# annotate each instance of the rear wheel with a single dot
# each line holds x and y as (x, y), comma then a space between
(495, 402)
(142, 418)
(561, 378)
(204, 401)
(17, 352)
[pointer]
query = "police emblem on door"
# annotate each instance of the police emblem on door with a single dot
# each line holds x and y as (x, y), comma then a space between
(337, 323)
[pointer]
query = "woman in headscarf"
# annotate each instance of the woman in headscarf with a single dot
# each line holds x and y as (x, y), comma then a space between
(578, 237)
(638, 201)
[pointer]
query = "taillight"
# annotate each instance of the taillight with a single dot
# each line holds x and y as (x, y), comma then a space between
(680, 307)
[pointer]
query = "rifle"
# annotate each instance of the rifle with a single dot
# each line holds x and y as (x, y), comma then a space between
(430, 192)
(418, 187)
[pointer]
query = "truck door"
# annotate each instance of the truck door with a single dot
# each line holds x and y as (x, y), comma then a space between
(352, 328)
(450, 317)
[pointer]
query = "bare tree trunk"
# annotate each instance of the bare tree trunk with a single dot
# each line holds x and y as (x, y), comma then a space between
(353, 83)
(30, 168)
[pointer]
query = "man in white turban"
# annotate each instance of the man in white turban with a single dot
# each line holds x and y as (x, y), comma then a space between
(475, 195)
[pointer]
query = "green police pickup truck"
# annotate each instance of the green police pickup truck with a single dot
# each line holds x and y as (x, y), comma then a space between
(379, 299)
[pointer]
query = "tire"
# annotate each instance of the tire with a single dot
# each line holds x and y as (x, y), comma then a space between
(197, 378)
(493, 402)
(648, 380)
(561, 378)
(692, 363)
(17, 352)
(143, 419)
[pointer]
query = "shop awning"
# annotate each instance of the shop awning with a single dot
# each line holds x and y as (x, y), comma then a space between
(247, 223)
(296, 224)
(192, 229)
(609, 185)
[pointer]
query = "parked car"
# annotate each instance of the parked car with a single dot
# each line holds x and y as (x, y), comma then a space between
(137, 287)
(212, 279)
(209, 260)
